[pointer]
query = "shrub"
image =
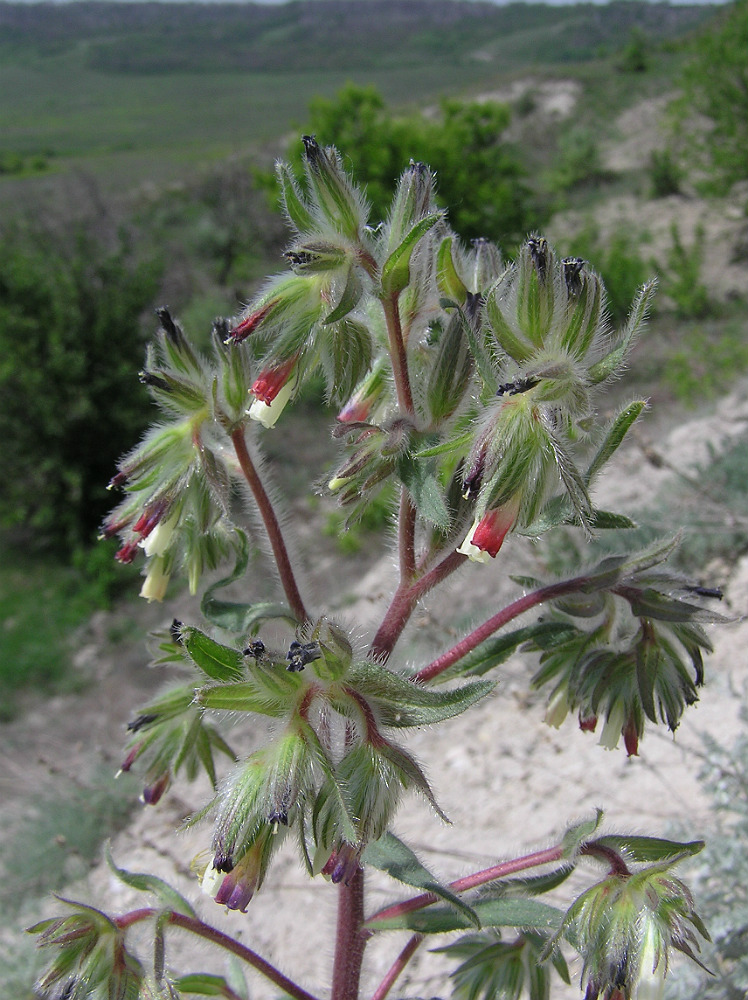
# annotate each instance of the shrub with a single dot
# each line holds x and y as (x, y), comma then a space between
(71, 333)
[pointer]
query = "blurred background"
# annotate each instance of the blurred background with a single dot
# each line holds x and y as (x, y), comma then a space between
(137, 143)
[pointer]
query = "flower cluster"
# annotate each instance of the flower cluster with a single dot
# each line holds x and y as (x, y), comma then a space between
(177, 482)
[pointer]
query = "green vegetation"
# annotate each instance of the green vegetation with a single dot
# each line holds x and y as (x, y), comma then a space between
(480, 177)
(715, 84)
(71, 341)
(142, 90)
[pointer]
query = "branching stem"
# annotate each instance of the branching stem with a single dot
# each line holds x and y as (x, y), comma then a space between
(398, 355)
(212, 934)
(397, 967)
(404, 602)
(493, 624)
(498, 871)
(272, 525)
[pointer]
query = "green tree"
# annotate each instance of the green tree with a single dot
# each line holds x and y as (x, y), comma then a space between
(70, 334)
(715, 84)
(480, 177)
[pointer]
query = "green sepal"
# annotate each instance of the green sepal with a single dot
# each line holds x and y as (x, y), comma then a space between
(608, 366)
(349, 297)
(203, 984)
(389, 854)
(345, 357)
(525, 913)
(270, 692)
(425, 489)
(395, 274)
(615, 434)
(346, 823)
(296, 209)
(576, 835)
(219, 662)
(144, 882)
(411, 774)
(450, 371)
(650, 849)
(450, 283)
(509, 340)
(453, 444)
(401, 703)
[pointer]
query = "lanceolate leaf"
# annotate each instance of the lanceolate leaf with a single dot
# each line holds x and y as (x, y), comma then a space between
(650, 849)
(524, 913)
(150, 883)
(349, 297)
(615, 435)
(401, 703)
(576, 835)
(202, 984)
(425, 490)
(396, 269)
(389, 854)
(220, 663)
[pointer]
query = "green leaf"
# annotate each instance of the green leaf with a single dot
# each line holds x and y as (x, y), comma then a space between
(402, 703)
(411, 774)
(237, 617)
(203, 984)
(439, 449)
(524, 913)
(650, 849)
(576, 835)
(349, 297)
(219, 662)
(450, 283)
(533, 885)
(614, 436)
(144, 882)
(611, 363)
(295, 207)
(425, 490)
(389, 854)
(265, 694)
(396, 269)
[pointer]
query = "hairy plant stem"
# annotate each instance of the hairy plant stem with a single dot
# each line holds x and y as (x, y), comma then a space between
(398, 355)
(491, 874)
(404, 602)
(406, 537)
(397, 967)
(351, 939)
(493, 624)
(459, 885)
(212, 934)
(272, 526)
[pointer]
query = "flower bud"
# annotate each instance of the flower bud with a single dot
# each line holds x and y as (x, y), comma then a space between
(339, 201)
(625, 926)
(369, 396)
(413, 201)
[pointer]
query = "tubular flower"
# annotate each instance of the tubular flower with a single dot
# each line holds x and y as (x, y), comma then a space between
(487, 533)
(272, 389)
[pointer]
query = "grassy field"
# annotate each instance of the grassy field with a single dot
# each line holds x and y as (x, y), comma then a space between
(141, 92)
